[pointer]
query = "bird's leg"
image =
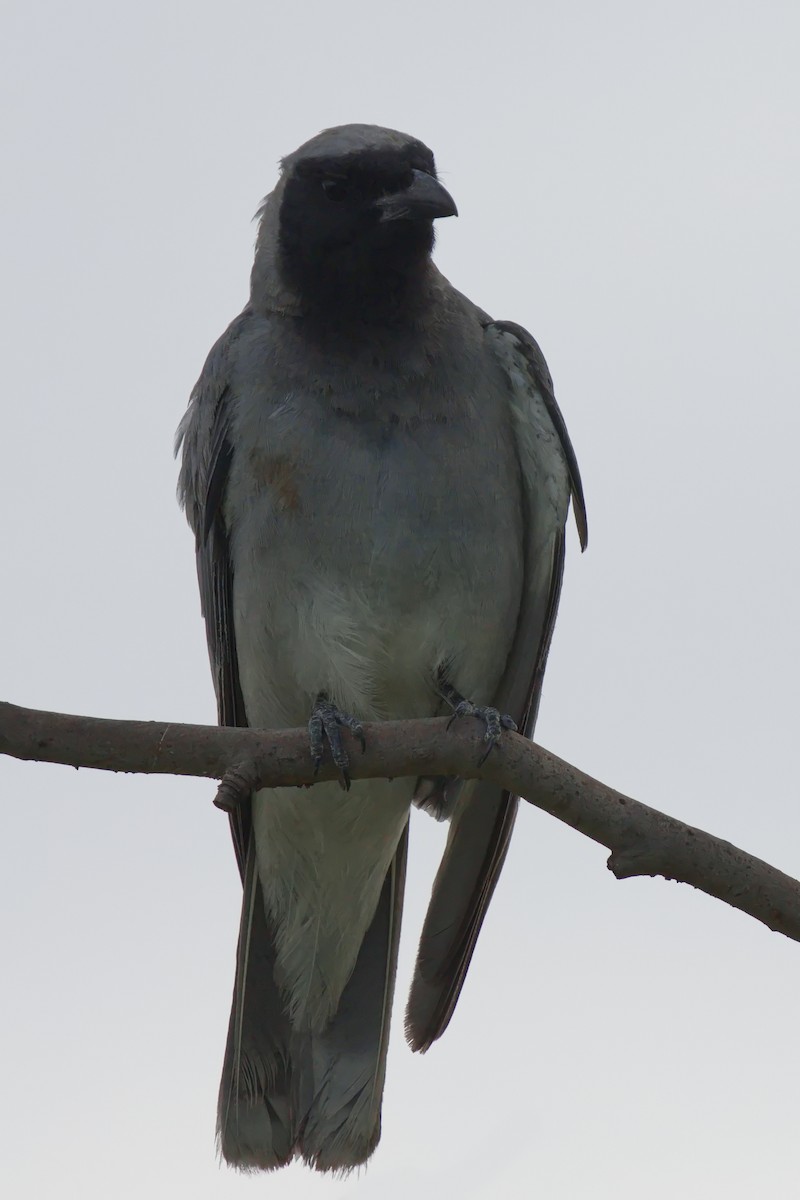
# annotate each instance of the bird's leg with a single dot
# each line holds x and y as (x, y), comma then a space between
(493, 719)
(326, 721)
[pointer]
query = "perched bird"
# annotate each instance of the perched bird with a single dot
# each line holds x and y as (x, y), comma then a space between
(378, 478)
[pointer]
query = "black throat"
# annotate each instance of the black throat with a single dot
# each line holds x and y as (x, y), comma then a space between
(350, 269)
(362, 285)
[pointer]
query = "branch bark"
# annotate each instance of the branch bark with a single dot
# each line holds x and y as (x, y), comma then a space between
(642, 840)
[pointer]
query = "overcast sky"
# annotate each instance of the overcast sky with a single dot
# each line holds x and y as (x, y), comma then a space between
(628, 182)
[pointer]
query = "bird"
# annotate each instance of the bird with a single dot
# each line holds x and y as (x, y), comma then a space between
(378, 478)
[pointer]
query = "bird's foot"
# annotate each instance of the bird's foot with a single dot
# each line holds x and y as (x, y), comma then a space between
(327, 721)
(493, 719)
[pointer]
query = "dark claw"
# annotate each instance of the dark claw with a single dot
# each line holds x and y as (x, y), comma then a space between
(493, 719)
(315, 739)
(326, 721)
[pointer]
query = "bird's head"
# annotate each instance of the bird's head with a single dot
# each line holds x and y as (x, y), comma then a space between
(354, 218)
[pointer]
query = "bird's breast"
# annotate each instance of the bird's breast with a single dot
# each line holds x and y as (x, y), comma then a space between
(370, 551)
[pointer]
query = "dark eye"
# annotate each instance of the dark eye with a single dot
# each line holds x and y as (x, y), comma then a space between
(336, 189)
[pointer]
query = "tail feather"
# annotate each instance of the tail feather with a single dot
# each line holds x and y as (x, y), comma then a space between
(342, 1124)
(253, 1117)
(287, 1093)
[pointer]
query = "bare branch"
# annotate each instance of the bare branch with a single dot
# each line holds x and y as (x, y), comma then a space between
(642, 840)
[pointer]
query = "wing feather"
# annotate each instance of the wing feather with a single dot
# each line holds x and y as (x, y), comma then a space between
(254, 1124)
(204, 436)
(483, 816)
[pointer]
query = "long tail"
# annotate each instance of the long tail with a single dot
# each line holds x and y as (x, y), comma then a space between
(318, 1096)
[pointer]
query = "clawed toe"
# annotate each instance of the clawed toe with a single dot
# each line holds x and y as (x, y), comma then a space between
(493, 719)
(327, 722)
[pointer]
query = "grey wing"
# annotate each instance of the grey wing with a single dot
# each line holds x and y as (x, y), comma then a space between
(482, 815)
(204, 437)
(521, 687)
(524, 346)
(253, 1122)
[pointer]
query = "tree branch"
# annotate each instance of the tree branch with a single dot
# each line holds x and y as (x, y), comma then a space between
(642, 840)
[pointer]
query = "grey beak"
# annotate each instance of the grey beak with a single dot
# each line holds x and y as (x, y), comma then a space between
(423, 200)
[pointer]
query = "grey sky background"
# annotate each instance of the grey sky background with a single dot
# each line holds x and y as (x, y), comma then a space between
(629, 187)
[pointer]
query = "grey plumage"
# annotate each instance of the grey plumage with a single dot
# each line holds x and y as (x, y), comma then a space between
(378, 478)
